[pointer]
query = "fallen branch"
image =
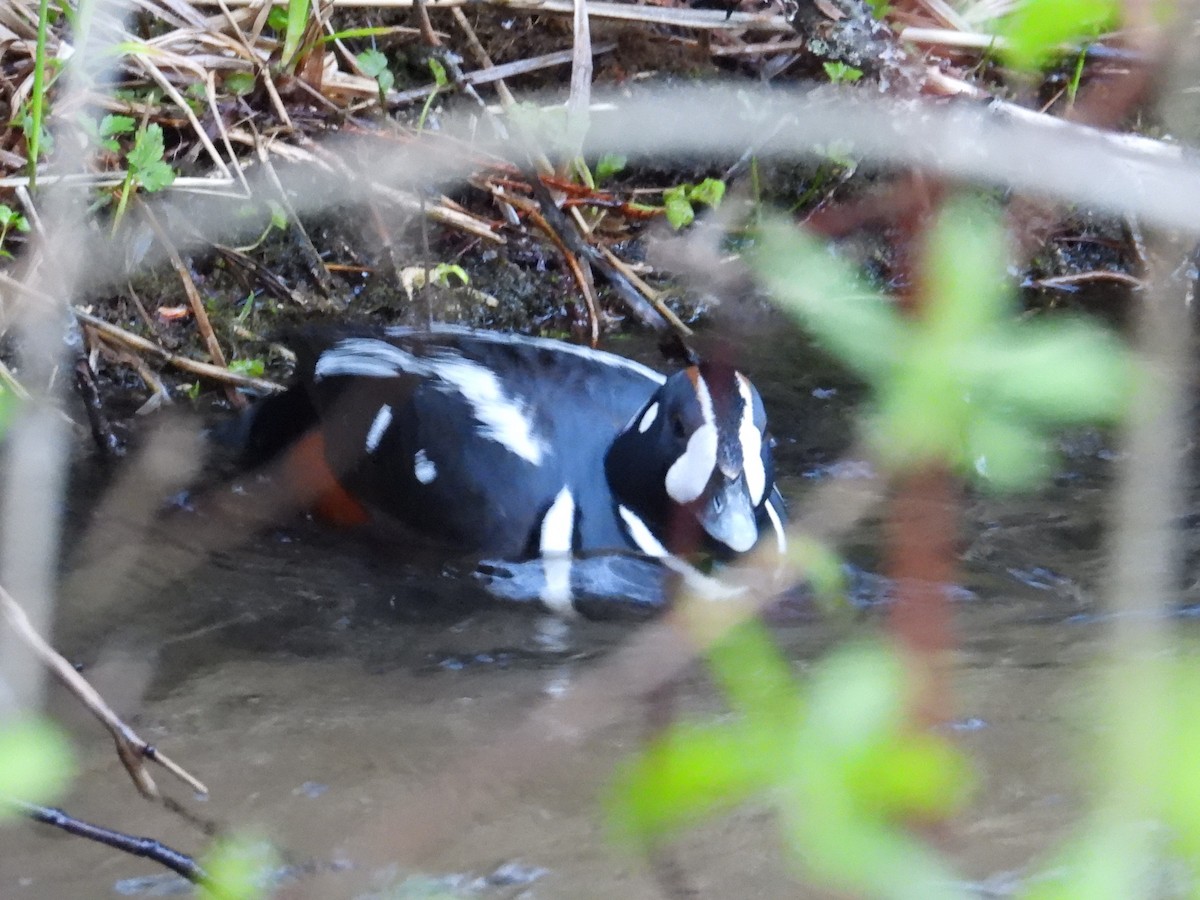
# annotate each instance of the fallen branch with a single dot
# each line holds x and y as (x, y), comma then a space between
(131, 749)
(146, 848)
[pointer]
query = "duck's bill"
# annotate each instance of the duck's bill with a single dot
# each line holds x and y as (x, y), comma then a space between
(728, 516)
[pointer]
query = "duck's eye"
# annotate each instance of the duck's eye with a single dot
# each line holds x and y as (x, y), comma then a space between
(677, 427)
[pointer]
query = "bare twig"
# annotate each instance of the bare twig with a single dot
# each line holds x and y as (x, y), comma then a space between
(146, 848)
(131, 749)
(195, 367)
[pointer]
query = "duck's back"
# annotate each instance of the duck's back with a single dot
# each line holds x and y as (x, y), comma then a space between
(472, 437)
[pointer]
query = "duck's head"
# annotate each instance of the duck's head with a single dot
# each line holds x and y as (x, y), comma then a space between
(698, 447)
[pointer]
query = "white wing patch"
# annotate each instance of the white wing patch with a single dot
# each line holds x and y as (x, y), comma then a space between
(557, 537)
(751, 440)
(424, 468)
(648, 418)
(505, 419)
(379, 426)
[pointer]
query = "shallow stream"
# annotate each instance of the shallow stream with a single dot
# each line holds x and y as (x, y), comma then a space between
(314, 681)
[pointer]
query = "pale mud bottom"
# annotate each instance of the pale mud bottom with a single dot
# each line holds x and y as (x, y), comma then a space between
(290, 676)
(317, 690)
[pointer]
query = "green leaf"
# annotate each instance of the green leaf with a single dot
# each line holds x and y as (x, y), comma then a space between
(839, 72)
(609, 165)
(853, 322)
(279, 217)
(7, 214)
(297, 21)
(439, 72)
(253, 368)
(694, 770)
(156, 176)
(677, 206)
(35, 761)
(1052, 371)
(440, 274)
(240, 83)
(966, 264)
(372, 62)
(113, 124)
(754, 675)
(277, 19)
(1006, 455)
(1039, 28)
(710, 192)
(147, 148)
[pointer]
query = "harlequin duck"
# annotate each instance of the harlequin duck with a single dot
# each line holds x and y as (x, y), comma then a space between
(574, 473)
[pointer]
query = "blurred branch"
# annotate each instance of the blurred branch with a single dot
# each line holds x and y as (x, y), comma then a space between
(131, 749)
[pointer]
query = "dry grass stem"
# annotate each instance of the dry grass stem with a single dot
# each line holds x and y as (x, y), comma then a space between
(131, 749)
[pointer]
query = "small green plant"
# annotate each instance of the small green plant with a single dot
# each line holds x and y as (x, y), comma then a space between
(239, 83)
(679, 201)
(251, 368)
(375, 65)
(144, 168)
(104, 133)
(10, 220)
(610, 164)
(440, 82)
(840, 73)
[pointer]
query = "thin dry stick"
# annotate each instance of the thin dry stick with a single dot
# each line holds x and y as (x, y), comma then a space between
(120, 336)
(131, 749)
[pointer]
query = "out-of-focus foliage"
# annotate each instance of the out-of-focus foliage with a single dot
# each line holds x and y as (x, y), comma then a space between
(241, 868)
(834, 757)
(965, 383)
(1038, 30)
(36, 762)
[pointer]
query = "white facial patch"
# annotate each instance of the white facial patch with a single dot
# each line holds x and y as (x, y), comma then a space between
(503, 418)
(379, 426)
(642, 536)
(557, 537)
(688, 476)
(751, 440)
(648, 418)
(424, 468)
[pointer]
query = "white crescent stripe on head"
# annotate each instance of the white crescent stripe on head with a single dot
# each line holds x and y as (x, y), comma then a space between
(383, 419)
(557, 537)
(641, 534)
(777, 523)
(688, 476)
(751, 440)
(505, 420)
